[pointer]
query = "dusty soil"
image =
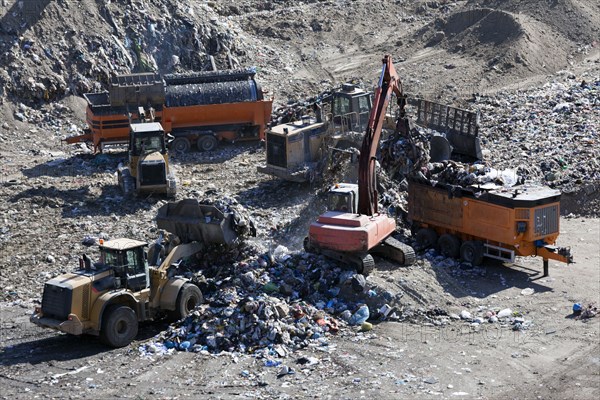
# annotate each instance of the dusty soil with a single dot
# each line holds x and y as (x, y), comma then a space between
(53, 195)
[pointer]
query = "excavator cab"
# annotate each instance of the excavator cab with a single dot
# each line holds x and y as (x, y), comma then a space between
(343, 197)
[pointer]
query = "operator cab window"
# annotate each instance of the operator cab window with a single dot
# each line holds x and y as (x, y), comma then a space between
(339, 202)
(363, 104)
(148, 144)
(135, 264)
(364, 108)
(110, 258)
(341, 106)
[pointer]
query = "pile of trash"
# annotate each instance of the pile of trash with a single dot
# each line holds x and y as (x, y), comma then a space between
(462, 174)
(492, 315)
(549, 132)
(243, 224)
(513, 126)
(584, 313)
(275, 303)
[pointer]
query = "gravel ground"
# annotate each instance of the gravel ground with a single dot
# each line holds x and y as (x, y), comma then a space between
(536, 84)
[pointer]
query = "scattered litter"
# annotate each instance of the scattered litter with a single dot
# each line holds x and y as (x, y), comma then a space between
(527, 291)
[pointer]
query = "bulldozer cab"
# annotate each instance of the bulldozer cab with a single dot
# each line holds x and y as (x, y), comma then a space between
(146, 138)
(343, 197)
(127, 258)
(350, 108)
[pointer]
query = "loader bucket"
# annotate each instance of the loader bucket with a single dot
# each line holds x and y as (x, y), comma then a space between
(195, 222)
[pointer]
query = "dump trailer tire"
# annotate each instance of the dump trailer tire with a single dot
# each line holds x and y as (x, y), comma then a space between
(119, 326)
(188, 299)
(449, 245)
(207, 143)
(426, 238)
(472, 252)
(181, 145)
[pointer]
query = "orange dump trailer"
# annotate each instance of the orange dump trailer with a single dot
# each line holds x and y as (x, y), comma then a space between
(495, 222)
(198, 109)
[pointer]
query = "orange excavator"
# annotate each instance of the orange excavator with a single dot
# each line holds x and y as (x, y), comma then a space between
(353, 228)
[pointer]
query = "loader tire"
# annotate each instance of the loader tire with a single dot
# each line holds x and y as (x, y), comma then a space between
(188, 299)
(426, 238)
(207, 143)
(180, 145)
(449, 245)
(119, 326)
(472, 252)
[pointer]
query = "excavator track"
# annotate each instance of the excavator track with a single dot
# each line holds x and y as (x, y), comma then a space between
(395, 250)
(363, 263)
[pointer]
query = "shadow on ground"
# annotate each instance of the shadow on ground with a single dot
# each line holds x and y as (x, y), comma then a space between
(82, 201)
(461, 280)
(63, 347)
(78, 165)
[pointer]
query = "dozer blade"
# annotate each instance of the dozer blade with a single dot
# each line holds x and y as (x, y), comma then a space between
(195, 222)
(395, 250)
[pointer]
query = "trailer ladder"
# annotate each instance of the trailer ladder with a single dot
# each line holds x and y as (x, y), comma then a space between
(499, 253)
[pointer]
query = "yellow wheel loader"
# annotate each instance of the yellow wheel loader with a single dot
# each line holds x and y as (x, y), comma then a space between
(128, 285)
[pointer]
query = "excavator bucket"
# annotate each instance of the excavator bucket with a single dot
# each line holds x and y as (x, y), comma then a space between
(195, 222)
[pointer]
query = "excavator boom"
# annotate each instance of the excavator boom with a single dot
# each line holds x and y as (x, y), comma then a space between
(389, 83)
(350, 236)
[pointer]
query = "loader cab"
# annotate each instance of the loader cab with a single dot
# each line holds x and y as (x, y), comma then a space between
(350, 108)
(343, 197)
(127, 259)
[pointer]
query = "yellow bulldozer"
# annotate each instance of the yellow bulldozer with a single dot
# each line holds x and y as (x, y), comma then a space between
(147, 169)
(296, 150)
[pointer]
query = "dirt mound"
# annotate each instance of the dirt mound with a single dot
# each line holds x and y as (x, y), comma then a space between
(575, 20)
(497, 41)
(484, 26)
(117, 37)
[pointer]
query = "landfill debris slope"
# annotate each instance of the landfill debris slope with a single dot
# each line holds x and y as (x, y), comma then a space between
(295, 44)
(531, 68)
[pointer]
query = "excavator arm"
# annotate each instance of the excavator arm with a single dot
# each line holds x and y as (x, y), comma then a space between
(389, 83)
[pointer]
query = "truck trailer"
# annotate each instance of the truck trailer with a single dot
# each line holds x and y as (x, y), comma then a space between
(487, 221)
(196, 109)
